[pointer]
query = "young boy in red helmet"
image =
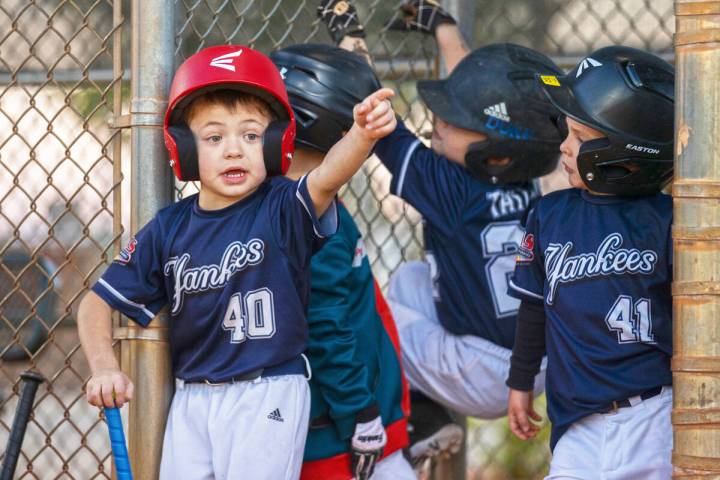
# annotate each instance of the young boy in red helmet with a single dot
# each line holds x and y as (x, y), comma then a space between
(232, 263)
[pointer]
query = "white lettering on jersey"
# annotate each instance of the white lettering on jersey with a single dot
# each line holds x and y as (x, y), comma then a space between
(237, 256)
(360, 253)
(609, 259)
(509, 202)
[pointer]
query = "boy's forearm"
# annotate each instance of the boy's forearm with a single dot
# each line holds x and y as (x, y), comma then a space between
(529, 347)
(356, 45)
(95, 330)
(451, 45)
(339, 165)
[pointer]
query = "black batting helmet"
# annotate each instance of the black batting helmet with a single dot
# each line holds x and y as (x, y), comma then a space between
(629, 96)
(324, 83)
(493, 91)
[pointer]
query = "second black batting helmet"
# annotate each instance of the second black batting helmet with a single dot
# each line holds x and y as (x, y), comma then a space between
(628, 95)
(324, 83)
(493, 91)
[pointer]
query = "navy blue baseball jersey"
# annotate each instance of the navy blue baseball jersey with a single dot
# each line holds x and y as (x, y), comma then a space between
(236, 280)
(603, 267)
(471, 230)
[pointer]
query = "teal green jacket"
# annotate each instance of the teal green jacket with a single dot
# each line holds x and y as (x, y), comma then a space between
(353, 348)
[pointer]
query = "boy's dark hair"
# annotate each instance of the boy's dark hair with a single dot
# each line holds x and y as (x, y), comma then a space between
(229, 99)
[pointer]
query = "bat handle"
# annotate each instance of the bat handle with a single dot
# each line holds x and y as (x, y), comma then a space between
(117, 443)
(31, 382)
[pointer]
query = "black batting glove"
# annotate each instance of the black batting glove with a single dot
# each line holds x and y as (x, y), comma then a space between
(367, 443)
(341, 19)
(421, 16)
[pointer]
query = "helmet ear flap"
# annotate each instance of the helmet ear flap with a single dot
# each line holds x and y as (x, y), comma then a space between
(475, 158)
(276, 160)
(187, 158)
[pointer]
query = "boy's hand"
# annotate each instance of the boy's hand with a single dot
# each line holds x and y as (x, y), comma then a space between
(341, 19)
(422, 16)
(367, 443)
(520, 407)
(109, 388)
(375, 115)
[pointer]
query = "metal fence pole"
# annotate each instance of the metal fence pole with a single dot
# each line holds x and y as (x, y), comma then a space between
(144, 352)
(696, 233)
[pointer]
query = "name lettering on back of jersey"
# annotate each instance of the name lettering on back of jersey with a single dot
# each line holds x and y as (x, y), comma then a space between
(236, 258)
(609, 259)
(509, 202)
(360, 253)
(126, 253)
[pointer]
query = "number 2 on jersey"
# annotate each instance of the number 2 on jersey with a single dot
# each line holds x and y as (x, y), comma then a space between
(632, 322)
(500, 242)
(252, 318)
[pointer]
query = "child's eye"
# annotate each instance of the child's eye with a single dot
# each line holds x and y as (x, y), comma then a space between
(252, 137)
(214, 138)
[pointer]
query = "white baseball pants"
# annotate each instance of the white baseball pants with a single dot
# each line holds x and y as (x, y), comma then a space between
(632, 443)
(254, 430)
(462, 372)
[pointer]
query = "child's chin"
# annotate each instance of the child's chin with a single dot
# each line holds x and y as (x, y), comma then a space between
(239, 190)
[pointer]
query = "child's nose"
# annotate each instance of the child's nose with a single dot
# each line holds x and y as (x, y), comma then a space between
(565, 148)
(233, 146)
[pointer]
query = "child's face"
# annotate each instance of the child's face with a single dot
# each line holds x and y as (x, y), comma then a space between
(453, 142)
(570, 148)
(230, 152)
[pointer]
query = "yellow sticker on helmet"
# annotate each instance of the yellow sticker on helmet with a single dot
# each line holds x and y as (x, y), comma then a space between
(550, 80)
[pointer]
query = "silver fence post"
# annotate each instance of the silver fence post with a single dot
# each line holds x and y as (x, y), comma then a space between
(696, 242)
(145, 352)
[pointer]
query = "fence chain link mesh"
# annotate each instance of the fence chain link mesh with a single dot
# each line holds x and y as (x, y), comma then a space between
(61, 171)
(58, 180)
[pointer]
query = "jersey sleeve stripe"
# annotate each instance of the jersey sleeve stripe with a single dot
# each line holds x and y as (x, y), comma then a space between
(122, 298)
(523, 291)
(403, 168)
(329, 221)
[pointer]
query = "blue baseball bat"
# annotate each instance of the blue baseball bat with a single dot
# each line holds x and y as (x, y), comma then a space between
(117, 443)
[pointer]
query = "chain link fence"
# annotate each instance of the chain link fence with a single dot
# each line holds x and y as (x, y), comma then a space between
(59, 218)
(61, 170)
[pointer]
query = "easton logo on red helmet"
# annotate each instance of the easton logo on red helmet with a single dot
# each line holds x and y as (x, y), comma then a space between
(226, 61)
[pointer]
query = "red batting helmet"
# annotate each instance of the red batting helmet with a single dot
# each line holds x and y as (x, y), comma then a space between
(228, 67)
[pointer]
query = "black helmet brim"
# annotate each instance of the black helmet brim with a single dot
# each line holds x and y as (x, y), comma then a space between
(558, 89)
(440, 101)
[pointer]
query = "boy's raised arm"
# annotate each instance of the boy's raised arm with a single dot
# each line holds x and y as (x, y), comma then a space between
(428, 17)
(108, 386)
(374, 119)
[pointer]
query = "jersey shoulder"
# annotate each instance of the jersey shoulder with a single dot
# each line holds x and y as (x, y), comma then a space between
(176, 208)
(554, 204)
(552, 199)
(661, 202)
(279, 181)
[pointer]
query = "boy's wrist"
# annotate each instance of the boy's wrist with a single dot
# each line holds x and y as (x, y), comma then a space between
(520, 380)
(102, 364)
(448, 31)
(361, 137)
